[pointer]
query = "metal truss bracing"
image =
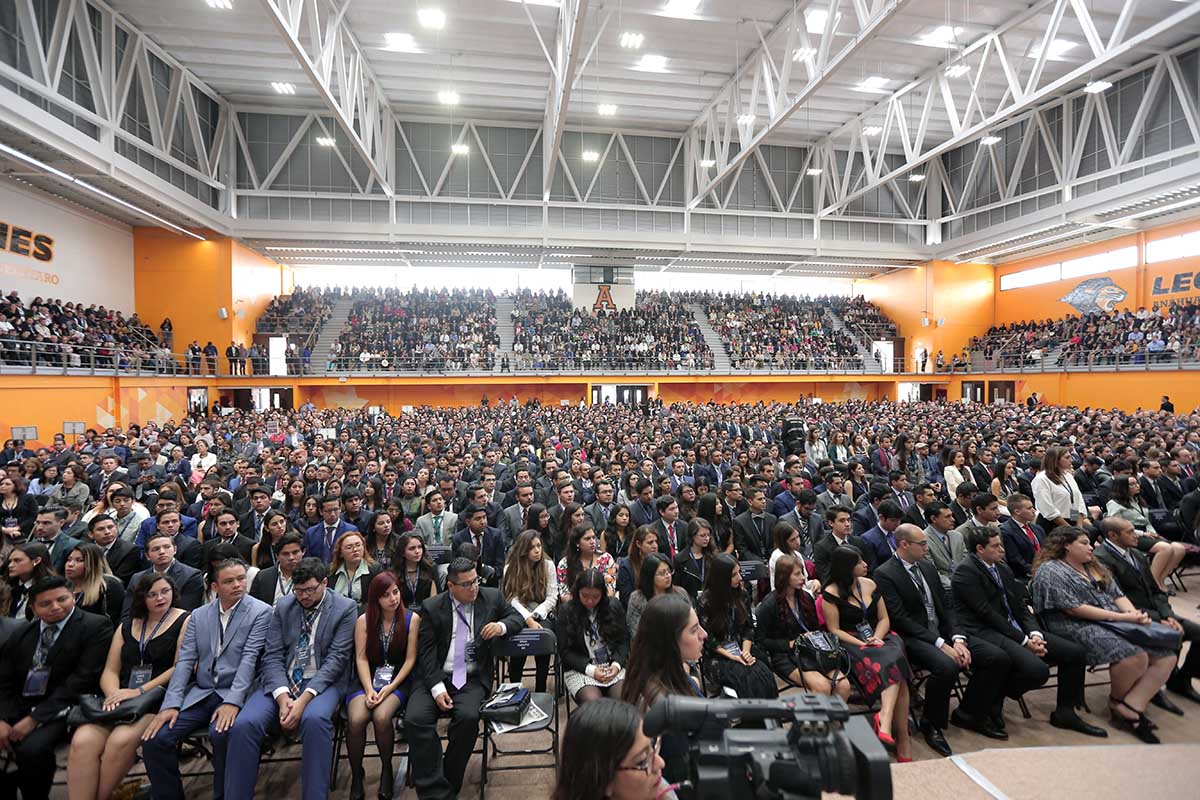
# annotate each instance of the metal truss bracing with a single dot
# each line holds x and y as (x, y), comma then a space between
(899, 123)
(572, 14)
(318, 34)
(780, 75)
(123, 91)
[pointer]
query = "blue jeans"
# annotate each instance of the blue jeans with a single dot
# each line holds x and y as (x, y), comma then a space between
(161, 754)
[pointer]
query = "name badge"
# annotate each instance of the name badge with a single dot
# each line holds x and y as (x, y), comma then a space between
(865, 631)
(383, 676)
(139, 677)
(601, 656)
(11, 522)
(470, 651)
(37, 682)
(733, 648)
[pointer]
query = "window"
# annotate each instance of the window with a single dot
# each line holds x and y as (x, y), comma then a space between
(1173, 247)
(1030, 277)
(1123, 258)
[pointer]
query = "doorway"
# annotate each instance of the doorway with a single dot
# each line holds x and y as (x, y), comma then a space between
(1002, 391)
(972, 391)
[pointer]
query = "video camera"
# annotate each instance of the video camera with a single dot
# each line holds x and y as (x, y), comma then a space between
(823, 750)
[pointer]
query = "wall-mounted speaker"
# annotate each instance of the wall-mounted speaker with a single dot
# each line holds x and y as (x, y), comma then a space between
(222, 313)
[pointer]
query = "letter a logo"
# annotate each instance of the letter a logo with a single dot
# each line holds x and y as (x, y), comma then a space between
(604, 298)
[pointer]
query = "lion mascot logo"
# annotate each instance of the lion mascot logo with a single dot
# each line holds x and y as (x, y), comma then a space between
(1094, 296)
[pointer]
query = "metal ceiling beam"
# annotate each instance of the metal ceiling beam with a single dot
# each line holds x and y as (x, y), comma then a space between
(982, 113)
(768, 78)
(319, 36)
(567, 52)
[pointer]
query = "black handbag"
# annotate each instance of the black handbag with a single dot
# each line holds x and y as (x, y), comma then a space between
(507, 706)
(90, 709)
(1155, 635)
(822, 648)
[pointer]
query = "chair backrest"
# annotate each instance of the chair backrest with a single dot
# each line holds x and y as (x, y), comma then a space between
(526, 642)
(820, 604)
(754, 570)
(438, 553)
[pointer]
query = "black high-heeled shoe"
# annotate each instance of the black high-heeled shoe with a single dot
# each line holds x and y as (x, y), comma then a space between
(1143, 727)
(387, 781)
(357, 792)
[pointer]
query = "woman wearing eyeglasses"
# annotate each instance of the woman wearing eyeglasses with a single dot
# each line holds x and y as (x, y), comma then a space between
(606, 756)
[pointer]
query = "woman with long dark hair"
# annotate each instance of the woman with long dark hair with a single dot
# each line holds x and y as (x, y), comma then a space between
(275, 526)
(385, 654)
(293, 499)
(654, 579)
(685, 495)
(668, 641)
(713, 510)
(28, 562)
(1125, 502)
(614, 540)
(415, 570)
(582, 554)
(18, 511)
(606, 756)
(856, 614)
(644, 543)
(1056, 495)
(724, 613)
(540, 522)
(382, 539)
(858, 483)
(530, 585)
(96, 589)
(692, 563)
(593, 640)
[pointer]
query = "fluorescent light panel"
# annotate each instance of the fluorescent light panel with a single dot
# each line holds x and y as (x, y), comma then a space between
(399, 42)
(957, 70)
(681, 8)
(815, 19)
(326, 141)
(220, 5)
(460, 149)
(591, 156)
(432, 18)
(1058, 48)
(941, 36)
(448, 97)
(876, 84)
(652, 62)
(1096, 87)
(872, 130)
(804, 53)
(283, 88)
(631, 40)
(916, 178)
(988, 141)
(606, 109)
(707, 163)
(58, 173)
(745, 119)
(813, 172)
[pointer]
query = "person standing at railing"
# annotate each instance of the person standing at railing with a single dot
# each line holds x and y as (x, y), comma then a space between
(166, 333)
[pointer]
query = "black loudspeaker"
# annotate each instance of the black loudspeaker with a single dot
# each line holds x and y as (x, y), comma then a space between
(793, 435)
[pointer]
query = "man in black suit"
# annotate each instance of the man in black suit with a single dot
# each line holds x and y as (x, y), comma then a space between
(251, 524)
(805, 519)
(189, 582)
(920, 613)
(48, 530)
(45, 669)
(227, 533)
(1118, 551)
(642, 510)
(110, 470)
(487, 540)
(962, 502)
(838, 520)
(122, 557)
(188, 549)
(866, 514)
(1089, 478)
(1152, 493)
(923, 496)
(983, 472)
(275, 582)
(752, 529)
(671, 533)
(992, 606)
(453, 676)
(1022, 536)
(898, 483)
(1172, 484)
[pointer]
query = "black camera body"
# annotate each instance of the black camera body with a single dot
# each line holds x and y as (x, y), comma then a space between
(824, 749)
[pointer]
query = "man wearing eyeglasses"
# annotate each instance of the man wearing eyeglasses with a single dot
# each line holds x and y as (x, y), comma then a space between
(454, 671)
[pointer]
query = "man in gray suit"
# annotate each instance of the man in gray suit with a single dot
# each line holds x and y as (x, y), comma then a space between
(947, 548)
(214, 674)
(805, 520)
(437, 525)
(306, 664)
(515, 519)
(834, 494)
(605, 506)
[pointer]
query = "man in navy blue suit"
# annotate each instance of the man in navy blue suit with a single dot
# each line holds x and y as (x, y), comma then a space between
(1022, 537)
(880, 543)
(487, 540)
(320, 538)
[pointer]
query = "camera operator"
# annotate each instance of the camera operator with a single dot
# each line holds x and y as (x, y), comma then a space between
(606, 756)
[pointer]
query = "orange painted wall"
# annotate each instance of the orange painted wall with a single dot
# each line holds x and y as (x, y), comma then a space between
(178, 277)
(393, 396)
(1127, 391)
(254, 282)
(960, 294)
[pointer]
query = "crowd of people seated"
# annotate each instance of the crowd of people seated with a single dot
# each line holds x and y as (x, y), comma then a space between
(859, 312)
(299, 311)
(51, 332)
(420, 329)
(1167, 332)
(762, 331)
(660, 333)
(171, 579)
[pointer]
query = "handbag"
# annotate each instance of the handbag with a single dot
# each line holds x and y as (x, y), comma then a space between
(1155, 635)
(90, 709)
(507, 706)
(821, 647)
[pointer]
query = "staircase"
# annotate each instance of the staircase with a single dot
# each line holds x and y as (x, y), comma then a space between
(504, 328)
(864, 350)
(330, 331)
(721, 362)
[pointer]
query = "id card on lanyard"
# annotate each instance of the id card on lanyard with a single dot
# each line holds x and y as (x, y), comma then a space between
(140, 675)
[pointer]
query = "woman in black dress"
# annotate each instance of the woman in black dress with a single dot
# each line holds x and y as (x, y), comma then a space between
(693, 562)
(785, 615)
(414, 568)
(615, 538)
(857, 615)
(729, 656)
(141, 659)
(96, 589)
(710, 507)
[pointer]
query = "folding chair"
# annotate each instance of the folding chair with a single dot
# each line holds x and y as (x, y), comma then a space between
(528, 642)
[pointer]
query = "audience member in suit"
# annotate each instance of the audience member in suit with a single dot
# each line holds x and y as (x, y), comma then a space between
(320, 538)
(487, 540)
(274, 583)
(918, 513)
(215, 673)
(866, 511)
(983, 471)
(10, 626)
(305, 667)
(454, 675)
(123, 558)
(880, 540)
(752, 528)
(45, 669)
(515, 518)
(189, 582)
(946, 547)
(785, 501)
(961, 503)
(898, 483)
(1022, 536)
(1118, 551)
(47, 530)
(643, 508)
(593, 639)
(1089, 477)
(834, 494)
(188, 550)
(991, 605)
(838, 520)
(805, 520)
(920, 613)
(436, 525)
(28, 562)
(1151, 484)
(251, 523)
(671, 532)
(110, 470)
(166, 502)
(227, 533)
(1172, 484)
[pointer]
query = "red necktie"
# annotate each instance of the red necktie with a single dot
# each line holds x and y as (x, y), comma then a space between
(671, 539)
(1032, 538)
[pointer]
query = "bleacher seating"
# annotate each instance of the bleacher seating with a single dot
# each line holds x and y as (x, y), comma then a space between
(67, 334)
(303, 309)
(781, 332)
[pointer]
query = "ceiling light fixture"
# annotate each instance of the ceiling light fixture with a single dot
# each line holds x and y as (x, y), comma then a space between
(988, 141)
(815, 19)
(875, 83)
(681, 8)
(400, 42)
(460, 149)
(448, 97)
(804, 53)
(432, 18)
(745, 119)
(872, 130)
(58, 173)
(652, 62)
(590, 156)
(957, 71)
(707, 163)
(326, 141)
(606, 109)
(1058, 48)
(283, 88)
(916, 178)
(1096, 87)
(220, 5)
(813, 172)
(941, 36)
(632, 40)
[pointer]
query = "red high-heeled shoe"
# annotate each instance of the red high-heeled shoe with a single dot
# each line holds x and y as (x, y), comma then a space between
(883, 735)
(903, 760)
